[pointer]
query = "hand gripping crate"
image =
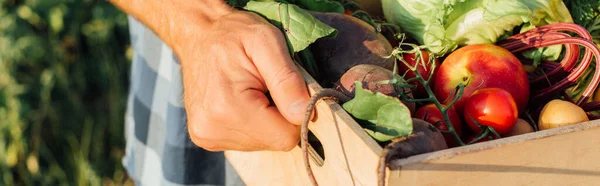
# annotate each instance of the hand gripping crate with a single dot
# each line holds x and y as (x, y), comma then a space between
(567, 155)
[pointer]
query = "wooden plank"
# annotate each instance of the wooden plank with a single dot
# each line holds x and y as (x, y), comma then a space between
(560, 156)
(351, 155)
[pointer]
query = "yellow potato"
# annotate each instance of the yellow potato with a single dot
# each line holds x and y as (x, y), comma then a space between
(557, 113)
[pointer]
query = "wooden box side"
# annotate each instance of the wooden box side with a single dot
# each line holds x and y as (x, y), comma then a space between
(351, 156)
(560, 156)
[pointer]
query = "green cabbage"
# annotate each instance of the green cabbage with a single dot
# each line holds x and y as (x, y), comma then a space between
(444, 25)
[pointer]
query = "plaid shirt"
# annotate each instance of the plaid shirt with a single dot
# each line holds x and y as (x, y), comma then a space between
(159, 150)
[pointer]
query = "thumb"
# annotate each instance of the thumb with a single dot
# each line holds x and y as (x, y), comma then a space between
(282, 78)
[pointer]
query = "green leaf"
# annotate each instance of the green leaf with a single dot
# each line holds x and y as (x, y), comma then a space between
(382, 117)
(538, 55)
(444, 25)
(320, 5)
(300, 28)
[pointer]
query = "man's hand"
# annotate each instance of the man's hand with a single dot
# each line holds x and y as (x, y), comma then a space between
(227, 70)
(230, 60)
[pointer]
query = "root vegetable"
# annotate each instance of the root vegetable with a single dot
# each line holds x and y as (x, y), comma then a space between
(433, 115)
(557, 113)
(425, 138)
(521, 127)
(370, 75)
(356, 43)
(549, 35)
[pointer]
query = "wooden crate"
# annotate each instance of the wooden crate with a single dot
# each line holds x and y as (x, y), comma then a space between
(562, 156)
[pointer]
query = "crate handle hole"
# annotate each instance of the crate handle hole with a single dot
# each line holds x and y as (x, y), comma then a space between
(315, 150)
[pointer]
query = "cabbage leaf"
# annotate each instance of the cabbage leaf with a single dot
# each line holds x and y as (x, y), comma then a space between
(444, 25)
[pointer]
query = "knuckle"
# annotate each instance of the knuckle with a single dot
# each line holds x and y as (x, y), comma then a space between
(199, 134)
(286, 142)
(212, 147)
(219, 104)
(199, 131)
(267, 31)
(284, 77)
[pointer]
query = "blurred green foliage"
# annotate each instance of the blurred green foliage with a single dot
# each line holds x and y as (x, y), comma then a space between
(64, 74)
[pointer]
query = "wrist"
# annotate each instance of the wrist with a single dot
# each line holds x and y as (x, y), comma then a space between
(191, 20)
(172, 20)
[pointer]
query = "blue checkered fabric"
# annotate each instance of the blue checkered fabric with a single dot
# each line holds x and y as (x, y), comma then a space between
(159, 150)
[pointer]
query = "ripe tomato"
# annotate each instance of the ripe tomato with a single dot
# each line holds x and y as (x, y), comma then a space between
(492, 107)
(425, 71)
(431, 114)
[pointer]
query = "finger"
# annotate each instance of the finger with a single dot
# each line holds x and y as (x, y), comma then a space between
(219, 134)
(282, 78)
(256, 125)
(278, 133)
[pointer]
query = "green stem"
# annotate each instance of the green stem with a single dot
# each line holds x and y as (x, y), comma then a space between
(419, 100)
(431, 96)
(481, 135)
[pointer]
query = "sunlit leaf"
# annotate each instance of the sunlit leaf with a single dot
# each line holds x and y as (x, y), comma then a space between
(383, 117)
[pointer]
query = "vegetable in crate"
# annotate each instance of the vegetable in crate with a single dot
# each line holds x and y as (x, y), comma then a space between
(423, 65)
(432, 114)
(371, 77)
(492, 107)
(424, 138)
(481, 66)
(444, 25)
(557, 113)
(521, 127)
(382, 117)
(356, 43)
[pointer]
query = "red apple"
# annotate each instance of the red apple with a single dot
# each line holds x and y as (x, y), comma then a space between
(426, 72)
(481, 66)
(432, 114)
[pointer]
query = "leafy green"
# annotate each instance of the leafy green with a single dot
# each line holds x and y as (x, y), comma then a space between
(300, 28)
(382, 117)
(551, 53)
(444, 25)
(587, 14)
(319, 5)
(584, 12)
(538, 55)
(312, 5)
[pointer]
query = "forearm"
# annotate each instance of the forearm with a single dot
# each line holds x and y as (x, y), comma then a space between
(169, 17)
